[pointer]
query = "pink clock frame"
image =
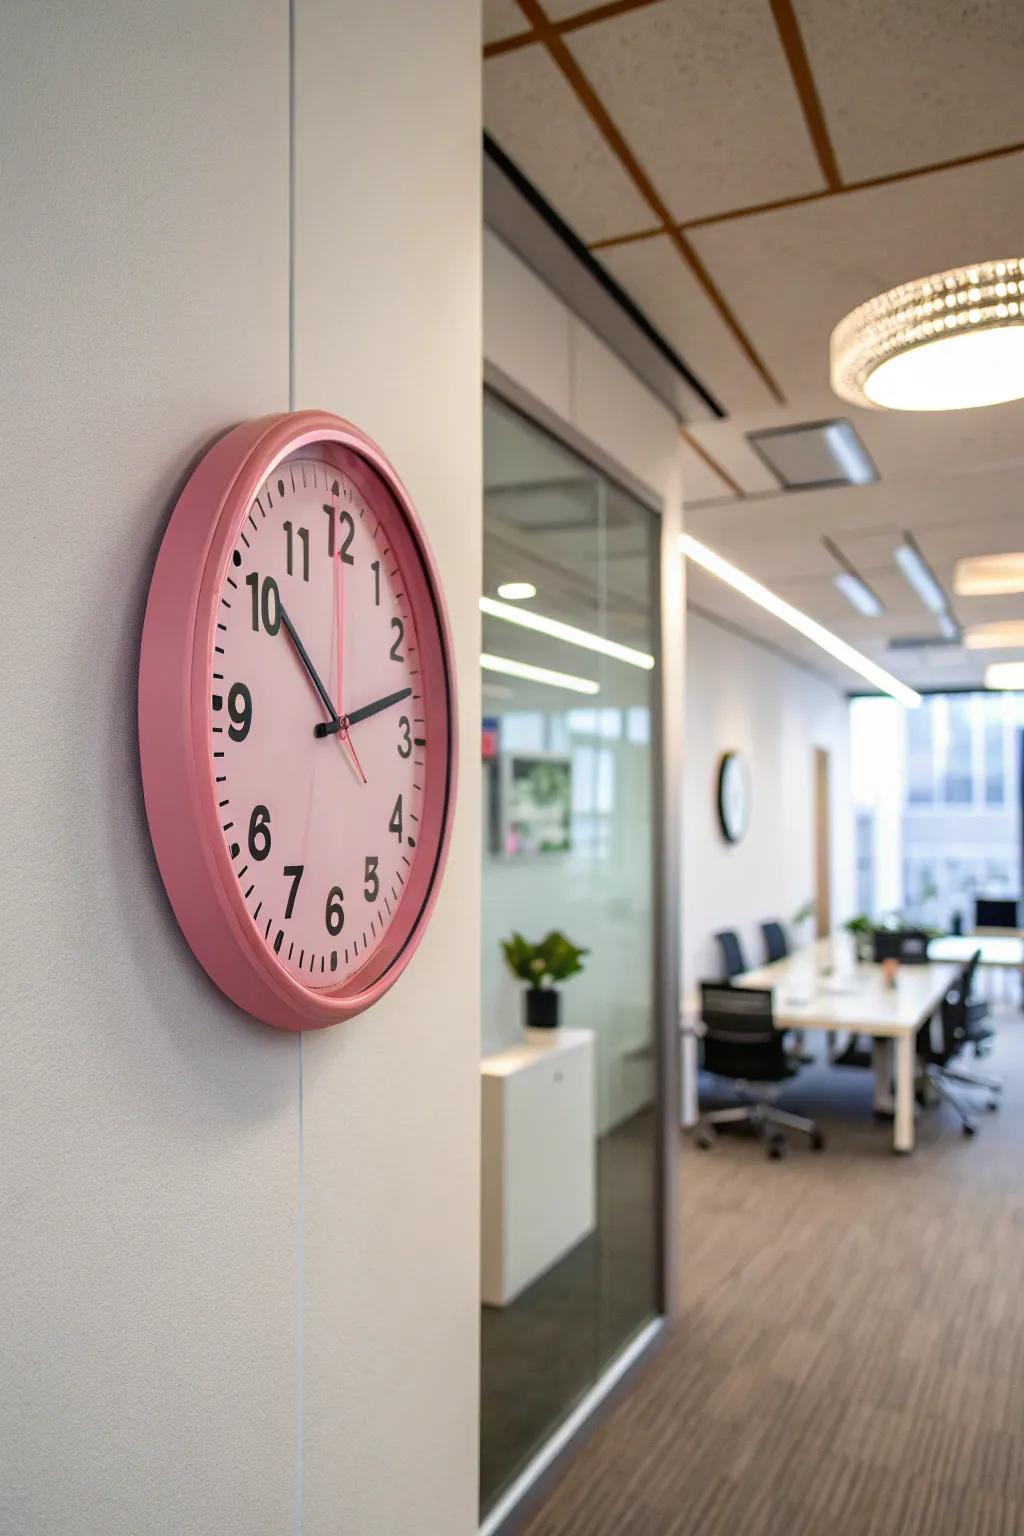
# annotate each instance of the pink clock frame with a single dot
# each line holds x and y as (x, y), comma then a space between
(175, 721)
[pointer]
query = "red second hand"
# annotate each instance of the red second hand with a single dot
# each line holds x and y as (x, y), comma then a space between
(339, 595)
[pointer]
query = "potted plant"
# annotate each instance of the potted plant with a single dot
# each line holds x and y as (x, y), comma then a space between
(862, 930)
(542, 965)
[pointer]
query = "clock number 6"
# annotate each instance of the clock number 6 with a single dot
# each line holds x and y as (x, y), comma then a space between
(335, 916)
(259, 833)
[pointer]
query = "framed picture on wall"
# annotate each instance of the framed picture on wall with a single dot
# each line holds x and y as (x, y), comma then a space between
(536, 803)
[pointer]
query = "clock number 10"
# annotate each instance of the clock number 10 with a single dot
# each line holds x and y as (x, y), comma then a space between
(266, 603)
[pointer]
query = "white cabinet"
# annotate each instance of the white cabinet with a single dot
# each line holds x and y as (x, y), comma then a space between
(538, 1192)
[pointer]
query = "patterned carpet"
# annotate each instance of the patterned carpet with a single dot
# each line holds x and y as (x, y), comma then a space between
(849, 1359)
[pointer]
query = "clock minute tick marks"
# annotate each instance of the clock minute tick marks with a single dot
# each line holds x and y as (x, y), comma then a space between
(237, 560)
(249, 892)
(278, 941)
(235, 850)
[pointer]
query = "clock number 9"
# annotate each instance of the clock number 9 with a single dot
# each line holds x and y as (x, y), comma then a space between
(259, 833)
(335, 912)
(240, 710)
(265, 601)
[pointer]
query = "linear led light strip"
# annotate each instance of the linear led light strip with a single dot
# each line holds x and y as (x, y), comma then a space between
(523, 669)
(527, 619)
(741, 582)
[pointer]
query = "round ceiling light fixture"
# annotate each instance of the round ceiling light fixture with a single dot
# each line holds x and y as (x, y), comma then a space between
(943, 343)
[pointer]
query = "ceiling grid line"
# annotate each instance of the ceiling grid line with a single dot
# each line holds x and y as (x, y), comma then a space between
(792, 42)
(777, 205)
(712, 463)
(601, 118)
(568, 24)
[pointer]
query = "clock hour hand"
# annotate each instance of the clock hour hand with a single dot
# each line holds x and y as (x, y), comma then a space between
(325, 728)
(303, 655)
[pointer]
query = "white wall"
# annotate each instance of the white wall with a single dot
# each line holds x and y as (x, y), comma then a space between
(742, 696)
(239, 1271)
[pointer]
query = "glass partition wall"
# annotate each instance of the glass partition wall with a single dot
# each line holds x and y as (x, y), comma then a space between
(570, 1139)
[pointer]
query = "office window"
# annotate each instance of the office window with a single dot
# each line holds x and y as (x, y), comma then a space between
(920, 757)
(945, 780)
(957, 777)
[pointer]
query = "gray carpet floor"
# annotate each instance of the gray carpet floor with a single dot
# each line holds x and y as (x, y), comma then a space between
(849, 1357)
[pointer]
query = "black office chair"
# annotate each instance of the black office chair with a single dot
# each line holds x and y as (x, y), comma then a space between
(741, 1043)
(733, 959)
(776, 946)
(939, 1059)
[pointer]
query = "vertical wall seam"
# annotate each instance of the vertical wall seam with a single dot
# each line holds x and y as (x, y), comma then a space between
(291, 205)
(300, 1213)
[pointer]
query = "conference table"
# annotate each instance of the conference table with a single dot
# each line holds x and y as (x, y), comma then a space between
(824, 987)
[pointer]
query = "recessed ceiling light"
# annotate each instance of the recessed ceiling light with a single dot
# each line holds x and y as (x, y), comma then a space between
(517, 591)
(927, 585)
(527, 619)
(989, 575)
(858, 594)
(1005, 674)
(1005, 636)
(814, 454)
(741, 582)
(943, 343)
(509, 668)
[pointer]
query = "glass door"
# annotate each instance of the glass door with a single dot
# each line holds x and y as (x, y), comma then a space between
(570, 1139)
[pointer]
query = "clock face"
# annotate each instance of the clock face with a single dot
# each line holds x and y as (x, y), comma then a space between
(319, 697)
(321, 794)
(733, 797)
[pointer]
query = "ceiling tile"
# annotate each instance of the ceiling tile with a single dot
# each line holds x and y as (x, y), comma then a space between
(791, 275)
(503, 18)
(657, 278)
(535, 117)
(703, 95)
(909, 84)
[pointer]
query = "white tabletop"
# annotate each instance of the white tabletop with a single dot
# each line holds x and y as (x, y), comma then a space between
(824, 987)
(995, 950)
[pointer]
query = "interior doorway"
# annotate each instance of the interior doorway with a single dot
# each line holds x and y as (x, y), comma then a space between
(822, 842)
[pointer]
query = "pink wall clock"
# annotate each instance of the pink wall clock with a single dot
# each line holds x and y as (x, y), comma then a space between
(297, 719)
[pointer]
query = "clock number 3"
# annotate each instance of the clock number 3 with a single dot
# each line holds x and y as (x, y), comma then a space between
(405, 745)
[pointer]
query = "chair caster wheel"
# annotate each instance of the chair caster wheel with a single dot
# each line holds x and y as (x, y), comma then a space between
(968, 1128)
(817, 1142)
(777, 1148)
(704, 1142)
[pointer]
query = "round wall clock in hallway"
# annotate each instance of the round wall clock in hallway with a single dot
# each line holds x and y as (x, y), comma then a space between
(297, 719)
(734, 796)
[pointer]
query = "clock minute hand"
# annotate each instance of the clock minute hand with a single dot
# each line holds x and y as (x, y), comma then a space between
(328, 727)
(314, 676)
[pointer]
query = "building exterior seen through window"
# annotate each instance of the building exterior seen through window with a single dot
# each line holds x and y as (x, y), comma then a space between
(937, 796)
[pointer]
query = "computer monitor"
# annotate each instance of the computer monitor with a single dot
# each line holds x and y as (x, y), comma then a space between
(992, 913)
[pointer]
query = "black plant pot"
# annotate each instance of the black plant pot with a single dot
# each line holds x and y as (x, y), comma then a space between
(542, 1008)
